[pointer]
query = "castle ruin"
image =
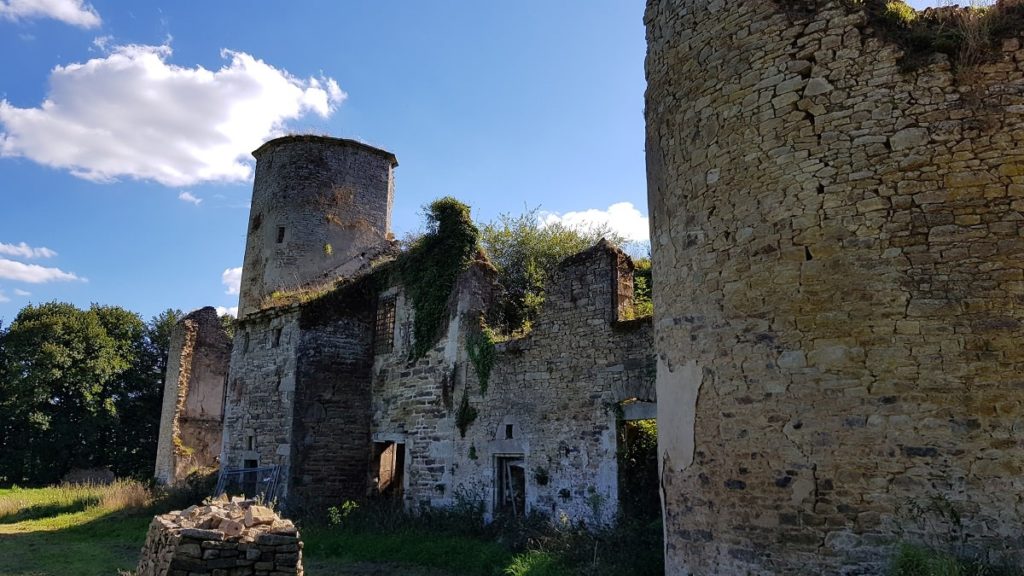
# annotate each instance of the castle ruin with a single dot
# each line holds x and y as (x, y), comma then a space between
(837, 239)
(324, 388)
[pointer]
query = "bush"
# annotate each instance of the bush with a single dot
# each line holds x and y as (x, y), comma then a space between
(913, 560)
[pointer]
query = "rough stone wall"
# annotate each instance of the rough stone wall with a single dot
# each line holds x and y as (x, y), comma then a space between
(839, 277)
(413, 404)
(261, 399)
(223, 538)
(192, 410)
(561, 388)
(332, 411)
(321, 209)
(317, 401)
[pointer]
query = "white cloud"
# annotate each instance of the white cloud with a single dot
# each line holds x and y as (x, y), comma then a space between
(188, 197)
(230, 311)
(73, 12)
(23, 250)
(232, 280)
(622, 217)
(33, 273)
(133, 114)
(20, 292)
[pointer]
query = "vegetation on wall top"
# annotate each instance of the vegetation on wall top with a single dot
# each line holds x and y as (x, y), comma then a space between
(525, 251)
(968, 35)
(430, 268)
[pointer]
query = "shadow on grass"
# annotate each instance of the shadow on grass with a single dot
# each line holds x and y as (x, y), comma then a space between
(97, 547)
(39, 511)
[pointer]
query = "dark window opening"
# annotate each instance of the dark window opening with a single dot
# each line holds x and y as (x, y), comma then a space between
(250, 443)
(508, 431)
(384, 333)
(280, 234)
(389, 461)
(639, 486)
(250, 478)
(511, 485)
(277, 337)
(245, 343)
(224, 398)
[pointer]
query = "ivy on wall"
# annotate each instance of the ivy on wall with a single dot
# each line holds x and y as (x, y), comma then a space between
(465, 415)
(430, 268)
(480, 347)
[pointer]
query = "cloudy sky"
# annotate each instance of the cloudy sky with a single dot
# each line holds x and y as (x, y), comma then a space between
(125, 127)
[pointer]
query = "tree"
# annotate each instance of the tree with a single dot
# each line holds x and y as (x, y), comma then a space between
(79, 388)
(525, 252)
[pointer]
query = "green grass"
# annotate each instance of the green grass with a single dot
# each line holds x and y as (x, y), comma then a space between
(96, 530)
(456, 554)
(72, 530)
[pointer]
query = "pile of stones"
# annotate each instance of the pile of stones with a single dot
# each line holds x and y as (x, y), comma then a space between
(223, 537)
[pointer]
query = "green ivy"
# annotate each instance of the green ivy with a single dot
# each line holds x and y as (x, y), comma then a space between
(430, 268)
(480, 347)
(465, 415)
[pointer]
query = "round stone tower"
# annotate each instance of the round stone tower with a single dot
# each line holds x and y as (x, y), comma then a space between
(838, 245)
(321, 209)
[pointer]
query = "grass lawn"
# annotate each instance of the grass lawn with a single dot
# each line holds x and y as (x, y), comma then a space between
(60, 531)
(94, 531)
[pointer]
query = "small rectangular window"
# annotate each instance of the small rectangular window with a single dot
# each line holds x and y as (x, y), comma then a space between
(250, 444)
(508, 431)
(245, 343)
(277, 337)
(280, 234)
(384, 334)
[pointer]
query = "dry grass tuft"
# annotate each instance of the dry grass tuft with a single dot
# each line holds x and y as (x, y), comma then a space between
(121, 495)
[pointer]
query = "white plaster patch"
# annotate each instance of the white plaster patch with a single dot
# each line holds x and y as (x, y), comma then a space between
(678, 391)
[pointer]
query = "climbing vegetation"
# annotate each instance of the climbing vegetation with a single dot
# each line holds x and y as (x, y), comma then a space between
(480, 347)
(465, 415)
(431, 266)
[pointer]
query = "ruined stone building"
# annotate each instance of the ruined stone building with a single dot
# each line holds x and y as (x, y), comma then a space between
(837, 235)
(838, 243)
(323, 386)
(192, 415)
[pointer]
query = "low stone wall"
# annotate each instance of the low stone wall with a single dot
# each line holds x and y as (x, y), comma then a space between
(221, 539)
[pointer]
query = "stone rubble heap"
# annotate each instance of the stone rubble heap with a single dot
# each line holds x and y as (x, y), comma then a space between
(224, 537)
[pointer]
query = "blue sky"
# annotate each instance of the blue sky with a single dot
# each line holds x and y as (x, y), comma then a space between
(125, 127)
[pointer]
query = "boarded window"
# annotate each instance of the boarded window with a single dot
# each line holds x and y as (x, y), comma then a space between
(384, 335)
(390, 463)
(511, 485)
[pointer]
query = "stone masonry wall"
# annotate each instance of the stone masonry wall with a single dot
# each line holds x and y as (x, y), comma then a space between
(838, 247)
(259, 418)
(192, 410)
(332, 411)
(413, 403)
(221, 538)
(561, 389)
(321, 209)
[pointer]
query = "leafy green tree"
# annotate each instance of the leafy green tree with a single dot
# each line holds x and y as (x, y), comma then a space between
(79, 388)
(525, 252)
